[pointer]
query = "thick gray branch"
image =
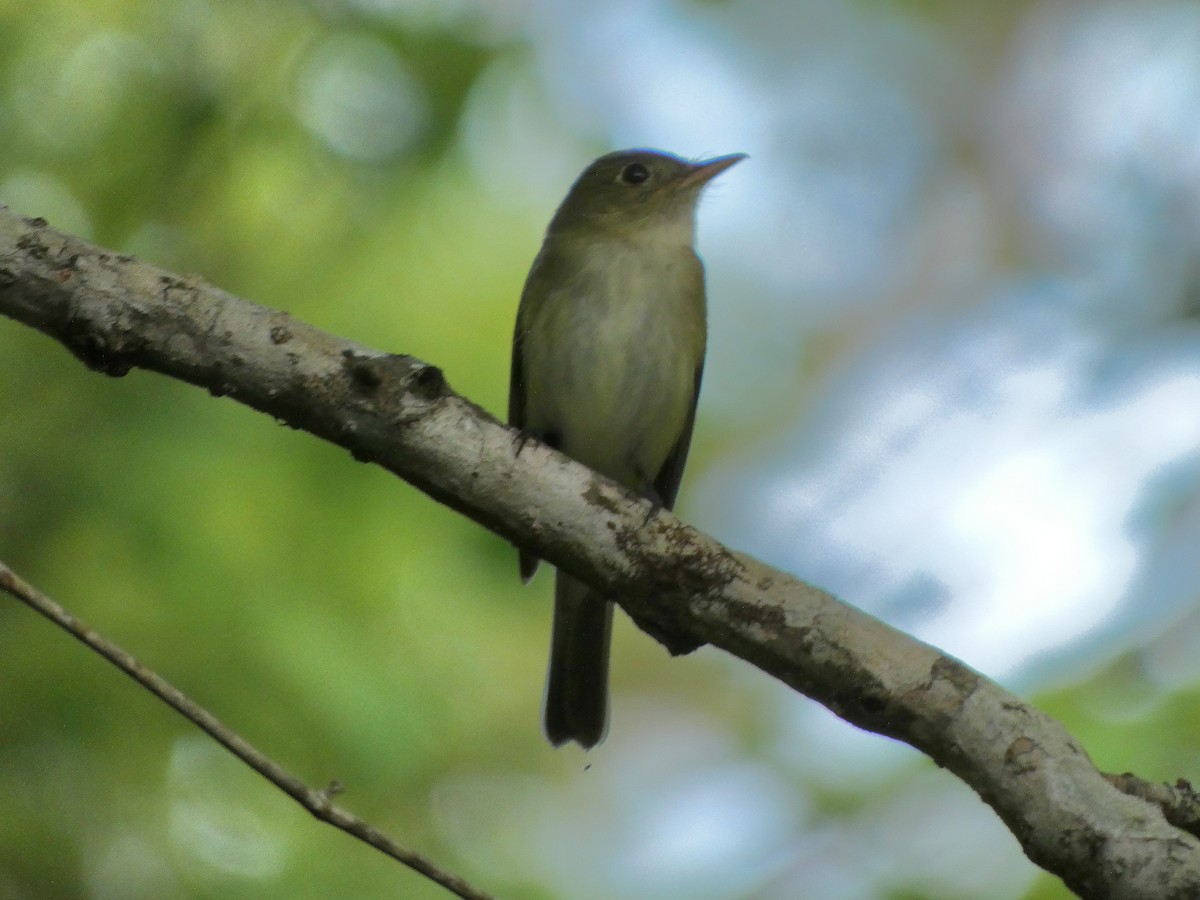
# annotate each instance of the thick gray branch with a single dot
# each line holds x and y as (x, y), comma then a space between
(115, 313)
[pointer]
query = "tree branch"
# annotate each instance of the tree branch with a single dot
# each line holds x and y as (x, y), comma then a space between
(316, 802)
(115, 313)
(1179, 802)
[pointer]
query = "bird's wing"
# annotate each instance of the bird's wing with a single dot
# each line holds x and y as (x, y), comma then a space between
(516, 395)
(516, 380)
(666, 484)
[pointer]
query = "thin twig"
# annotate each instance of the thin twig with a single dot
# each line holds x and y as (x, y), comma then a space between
(316, 802)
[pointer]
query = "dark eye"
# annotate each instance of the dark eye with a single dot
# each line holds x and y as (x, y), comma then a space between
(635, 173)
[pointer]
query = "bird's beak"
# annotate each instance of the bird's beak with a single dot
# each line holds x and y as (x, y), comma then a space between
(705, 171)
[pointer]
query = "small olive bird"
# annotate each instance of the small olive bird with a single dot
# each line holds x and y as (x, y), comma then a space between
(608, 352)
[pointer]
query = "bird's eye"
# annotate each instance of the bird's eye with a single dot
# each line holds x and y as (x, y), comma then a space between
(635, 173)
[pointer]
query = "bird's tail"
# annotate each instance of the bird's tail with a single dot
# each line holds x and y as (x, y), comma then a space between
(577, 684)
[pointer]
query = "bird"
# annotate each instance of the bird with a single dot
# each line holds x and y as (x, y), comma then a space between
(607, 357)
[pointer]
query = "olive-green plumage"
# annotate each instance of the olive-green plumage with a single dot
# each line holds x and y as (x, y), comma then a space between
(607, 356)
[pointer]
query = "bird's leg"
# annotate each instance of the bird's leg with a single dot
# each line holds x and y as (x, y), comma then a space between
(650, 493)
(525, 435)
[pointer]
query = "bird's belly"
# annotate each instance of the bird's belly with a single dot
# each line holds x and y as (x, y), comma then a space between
(616, 393)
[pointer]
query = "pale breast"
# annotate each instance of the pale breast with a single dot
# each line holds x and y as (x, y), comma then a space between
(610, 358)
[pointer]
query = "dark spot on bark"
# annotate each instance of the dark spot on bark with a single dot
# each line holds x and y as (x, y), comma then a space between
(363, 370)
(347, 431)
(769, 618)
(873, 705)
(1018, 755)
(942, 696)
(280, 334)
(429, 382)
(115, 367)
(596, 496)
(36, 222)
(31, 244)
(93, 351)
(964, 681)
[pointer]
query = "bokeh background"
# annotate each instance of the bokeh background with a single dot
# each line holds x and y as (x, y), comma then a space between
(954, 377)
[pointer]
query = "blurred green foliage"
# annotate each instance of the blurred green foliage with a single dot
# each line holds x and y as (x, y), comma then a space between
(337, 618)
(340, 620)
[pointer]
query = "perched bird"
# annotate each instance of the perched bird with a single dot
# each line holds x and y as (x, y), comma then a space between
(608, 352)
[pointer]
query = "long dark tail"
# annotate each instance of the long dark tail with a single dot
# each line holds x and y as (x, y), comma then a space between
(577, 683)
